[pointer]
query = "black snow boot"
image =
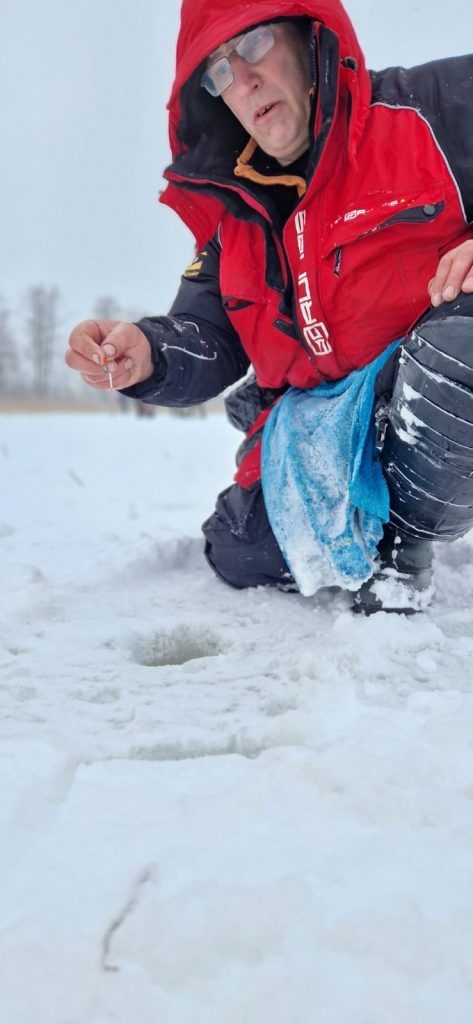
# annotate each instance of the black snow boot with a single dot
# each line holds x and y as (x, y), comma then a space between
(403, 581)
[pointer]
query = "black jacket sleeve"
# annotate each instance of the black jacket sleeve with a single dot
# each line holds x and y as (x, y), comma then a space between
(442, 92)
(196, 352)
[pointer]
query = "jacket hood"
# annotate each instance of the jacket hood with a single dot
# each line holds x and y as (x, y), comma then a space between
(206, 24)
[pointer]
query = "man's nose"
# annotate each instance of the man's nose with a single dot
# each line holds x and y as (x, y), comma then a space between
(245, 76)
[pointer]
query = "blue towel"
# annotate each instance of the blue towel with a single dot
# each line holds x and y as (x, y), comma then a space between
(323, 486)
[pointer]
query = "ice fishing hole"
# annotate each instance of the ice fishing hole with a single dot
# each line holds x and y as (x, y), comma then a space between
(176, 647)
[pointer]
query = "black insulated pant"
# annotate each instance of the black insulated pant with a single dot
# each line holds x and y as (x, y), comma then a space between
(240, 544)
(425, 414)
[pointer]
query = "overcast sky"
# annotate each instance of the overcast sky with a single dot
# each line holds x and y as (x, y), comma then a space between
(83, 131)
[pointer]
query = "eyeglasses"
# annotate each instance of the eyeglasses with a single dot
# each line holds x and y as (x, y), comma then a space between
(252, 47)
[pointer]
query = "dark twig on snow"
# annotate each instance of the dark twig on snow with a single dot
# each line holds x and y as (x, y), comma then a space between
(142, 880)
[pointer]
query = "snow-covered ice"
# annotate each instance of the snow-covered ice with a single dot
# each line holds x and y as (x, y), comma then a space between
(217, 807)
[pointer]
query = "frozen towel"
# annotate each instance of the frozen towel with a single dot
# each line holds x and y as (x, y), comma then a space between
(323, 485)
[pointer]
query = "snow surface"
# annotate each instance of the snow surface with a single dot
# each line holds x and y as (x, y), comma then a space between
(217, 807)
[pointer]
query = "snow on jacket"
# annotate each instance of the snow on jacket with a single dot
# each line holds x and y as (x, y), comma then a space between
(389, 190)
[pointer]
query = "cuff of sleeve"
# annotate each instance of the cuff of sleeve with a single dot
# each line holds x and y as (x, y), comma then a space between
(148, 390)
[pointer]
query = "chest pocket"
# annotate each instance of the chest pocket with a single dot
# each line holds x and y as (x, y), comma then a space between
(374, 215)
(383, 256)
(241, 282)
(243, 264)
(252, 306)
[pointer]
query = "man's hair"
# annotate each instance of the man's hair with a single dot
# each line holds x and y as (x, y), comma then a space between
(302, 23)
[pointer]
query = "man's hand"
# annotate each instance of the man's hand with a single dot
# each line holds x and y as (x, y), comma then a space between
(454, 274)
(109, 354)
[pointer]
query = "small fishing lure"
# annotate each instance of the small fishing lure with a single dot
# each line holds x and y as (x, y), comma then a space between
(104, 363)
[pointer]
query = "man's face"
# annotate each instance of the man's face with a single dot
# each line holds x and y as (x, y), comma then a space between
(271, 98)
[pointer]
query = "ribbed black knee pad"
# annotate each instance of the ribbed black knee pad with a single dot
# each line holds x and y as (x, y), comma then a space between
(428, 449)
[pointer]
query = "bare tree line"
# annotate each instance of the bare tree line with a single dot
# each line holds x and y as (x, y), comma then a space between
(8, 351)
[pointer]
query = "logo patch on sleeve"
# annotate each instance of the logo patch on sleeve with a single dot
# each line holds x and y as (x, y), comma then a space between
(194, 268)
